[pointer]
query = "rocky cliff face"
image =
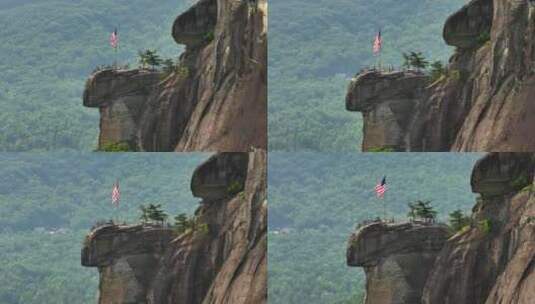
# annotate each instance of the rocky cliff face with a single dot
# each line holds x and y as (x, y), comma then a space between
(126, 257)
(486, 99)
(120, 96)
(225, 262)
(491, 261)
(215, 100)
(496, 263)
(387, 102)
(396, 258)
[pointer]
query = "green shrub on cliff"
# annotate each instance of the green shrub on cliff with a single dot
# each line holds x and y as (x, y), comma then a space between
(485, 226)
(183, 72)
(520, 182)
(152, 213)
(144, 217)
(415, 60)
(115, 147)
(458, 220)
(455, 75)
(421, 210)
(235, 187)
(203, 228)
(168, 66)
(438, 70)
(483, 38)
(209, 36)
(185, 224)
(156, 213)
(528, 188)
(381, 149)
(150, 58)
(182, 223)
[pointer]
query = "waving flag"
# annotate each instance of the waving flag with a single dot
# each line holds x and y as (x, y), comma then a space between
(380, 189)
(377, 43)
(115, 194)
(114, 39)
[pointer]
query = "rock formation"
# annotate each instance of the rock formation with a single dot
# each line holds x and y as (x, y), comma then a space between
(396, 258)
(387, 102)
(224, 262)
(214, 100)
(126, 257)
(491, 261)
(485, 100)
(494, 261)
(120, 96)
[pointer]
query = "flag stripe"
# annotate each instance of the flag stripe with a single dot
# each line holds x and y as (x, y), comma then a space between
(115, 194)
(377, 43)
(380, 189)
(114, 39)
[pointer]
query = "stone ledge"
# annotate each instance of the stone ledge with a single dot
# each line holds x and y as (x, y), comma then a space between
(214, 178)
(502, 173)
(193, 26)
(463, 28)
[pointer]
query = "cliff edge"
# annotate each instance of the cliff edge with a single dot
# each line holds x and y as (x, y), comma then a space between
(215, 99)
(483, 102)
(396, 259)
(224, 263)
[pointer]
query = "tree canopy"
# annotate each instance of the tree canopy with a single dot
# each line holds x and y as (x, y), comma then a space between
(150, 58)
(422, 210)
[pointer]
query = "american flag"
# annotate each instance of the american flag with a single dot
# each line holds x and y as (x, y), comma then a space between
(377, 43)
(115, 194)
(114, 39)
(380, 189)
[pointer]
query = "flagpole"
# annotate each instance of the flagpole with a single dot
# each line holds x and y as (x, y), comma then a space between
(380, 190)
(381, 49)
(118, 41)
(116, 48)
(384, 207)
(115, 199)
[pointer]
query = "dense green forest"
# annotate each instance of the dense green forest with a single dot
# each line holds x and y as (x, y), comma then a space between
(316, 200)
(50, 201)
(316, 46)
(50, 47)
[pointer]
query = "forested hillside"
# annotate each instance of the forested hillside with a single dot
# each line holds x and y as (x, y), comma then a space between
(50, 47)
(316, 200)
(315, 46)
(49, 202)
